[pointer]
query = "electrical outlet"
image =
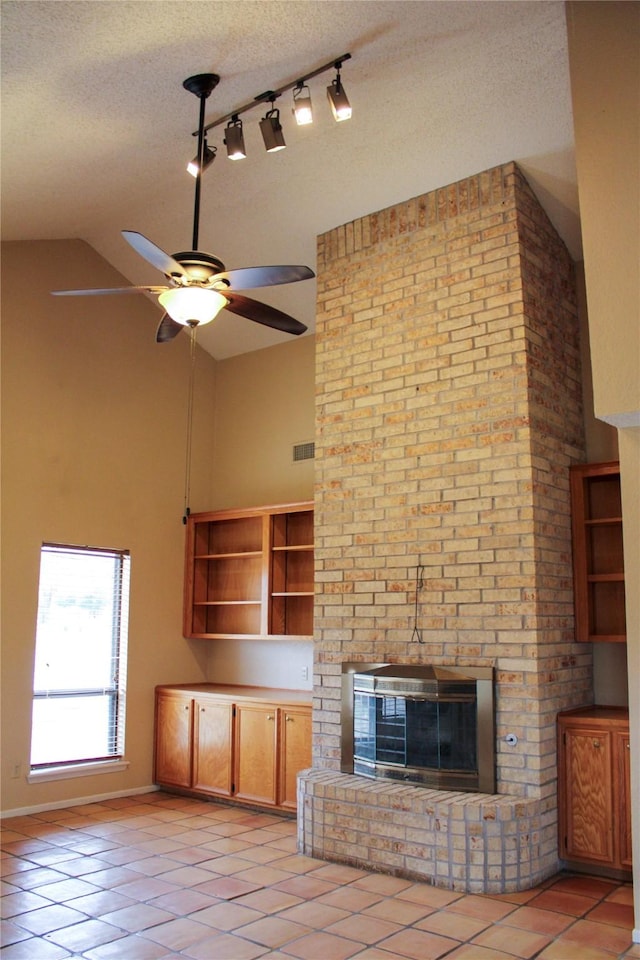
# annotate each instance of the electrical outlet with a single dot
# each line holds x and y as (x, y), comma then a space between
(304, 673)
(16, 770)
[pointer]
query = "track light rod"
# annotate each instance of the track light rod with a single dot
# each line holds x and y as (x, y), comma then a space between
(271, 95)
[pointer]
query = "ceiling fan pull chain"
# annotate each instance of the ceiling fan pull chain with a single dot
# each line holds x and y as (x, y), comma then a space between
(187, 469)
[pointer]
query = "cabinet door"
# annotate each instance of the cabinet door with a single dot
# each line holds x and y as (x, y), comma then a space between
(588, 795)
(212, 746)
(295, 752)
(255, 753)
(624, 783)
(173, 739)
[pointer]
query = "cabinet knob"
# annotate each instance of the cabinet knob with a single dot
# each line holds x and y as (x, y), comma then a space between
(596, 744)
(289, 719)
(201, 709)
(269, 716)
(186, 706)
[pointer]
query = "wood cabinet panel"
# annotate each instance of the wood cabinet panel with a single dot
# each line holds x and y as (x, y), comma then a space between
(295, 752)
(255, 753)
(212, 746)
(594, 787)
(173, 740)
(624, 774)
(589, 804)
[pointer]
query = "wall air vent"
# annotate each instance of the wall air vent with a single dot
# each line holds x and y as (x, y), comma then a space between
(304, 451)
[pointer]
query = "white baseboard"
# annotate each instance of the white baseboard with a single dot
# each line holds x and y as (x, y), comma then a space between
(76, 801)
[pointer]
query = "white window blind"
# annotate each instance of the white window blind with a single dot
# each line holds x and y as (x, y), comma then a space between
(81, 654)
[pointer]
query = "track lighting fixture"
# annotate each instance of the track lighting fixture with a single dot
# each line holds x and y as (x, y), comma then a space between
(338, 99)
(270, 125)
(234, 139)
(302, 104)
(272, 130)
(209, 155)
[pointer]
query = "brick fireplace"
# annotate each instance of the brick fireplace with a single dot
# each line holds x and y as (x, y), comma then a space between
(448, 412)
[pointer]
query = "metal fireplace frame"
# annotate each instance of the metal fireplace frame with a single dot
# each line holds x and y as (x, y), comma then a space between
(485, 722)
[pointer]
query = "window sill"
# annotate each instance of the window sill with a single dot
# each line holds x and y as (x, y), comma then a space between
(76, 770)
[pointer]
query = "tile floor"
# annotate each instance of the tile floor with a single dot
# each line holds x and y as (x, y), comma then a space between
(158, 876)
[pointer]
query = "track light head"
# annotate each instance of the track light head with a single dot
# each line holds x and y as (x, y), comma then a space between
(234, 139)
(272, 131)
(302, 104)
(208, 156)
(338, 99)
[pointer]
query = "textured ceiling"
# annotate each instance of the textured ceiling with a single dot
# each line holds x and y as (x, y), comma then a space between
(97, 128)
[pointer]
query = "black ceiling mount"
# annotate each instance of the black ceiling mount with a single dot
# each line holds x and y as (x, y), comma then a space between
(201, 84)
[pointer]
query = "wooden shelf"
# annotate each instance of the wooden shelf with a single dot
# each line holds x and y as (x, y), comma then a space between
(250, 573)
(598, 560)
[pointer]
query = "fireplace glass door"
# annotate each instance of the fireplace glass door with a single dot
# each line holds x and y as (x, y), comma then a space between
(421, 740)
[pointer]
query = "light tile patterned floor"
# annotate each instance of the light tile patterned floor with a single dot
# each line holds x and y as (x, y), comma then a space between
(157, 876)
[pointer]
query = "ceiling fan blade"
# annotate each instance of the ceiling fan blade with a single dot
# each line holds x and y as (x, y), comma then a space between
(168, 329)
(262, 313)
(246, 278)
(154, 255)
(99, 293)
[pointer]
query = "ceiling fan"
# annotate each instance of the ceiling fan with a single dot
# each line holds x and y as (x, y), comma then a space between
(199, 285)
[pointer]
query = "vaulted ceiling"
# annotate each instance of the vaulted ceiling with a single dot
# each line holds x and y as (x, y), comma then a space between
(97, 127)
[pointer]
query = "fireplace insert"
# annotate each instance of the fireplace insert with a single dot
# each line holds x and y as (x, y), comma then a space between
(420, 724)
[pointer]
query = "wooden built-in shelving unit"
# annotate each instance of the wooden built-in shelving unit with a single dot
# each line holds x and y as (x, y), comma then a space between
(249, 573)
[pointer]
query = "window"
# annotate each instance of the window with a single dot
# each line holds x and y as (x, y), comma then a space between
(80, 662)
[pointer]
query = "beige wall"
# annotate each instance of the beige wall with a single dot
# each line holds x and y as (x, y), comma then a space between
(92, 453)
(264, 405)
(604, 44)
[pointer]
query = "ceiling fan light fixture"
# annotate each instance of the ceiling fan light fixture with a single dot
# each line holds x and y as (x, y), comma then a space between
(234, 139)
(209, 155)
(192, 305)
(340, 106)
(302, 109)
(271, 130)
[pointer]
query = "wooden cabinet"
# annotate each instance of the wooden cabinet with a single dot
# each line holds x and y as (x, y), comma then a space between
(594, 787)
(249, 572)
(598, 563)
(244, 743)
